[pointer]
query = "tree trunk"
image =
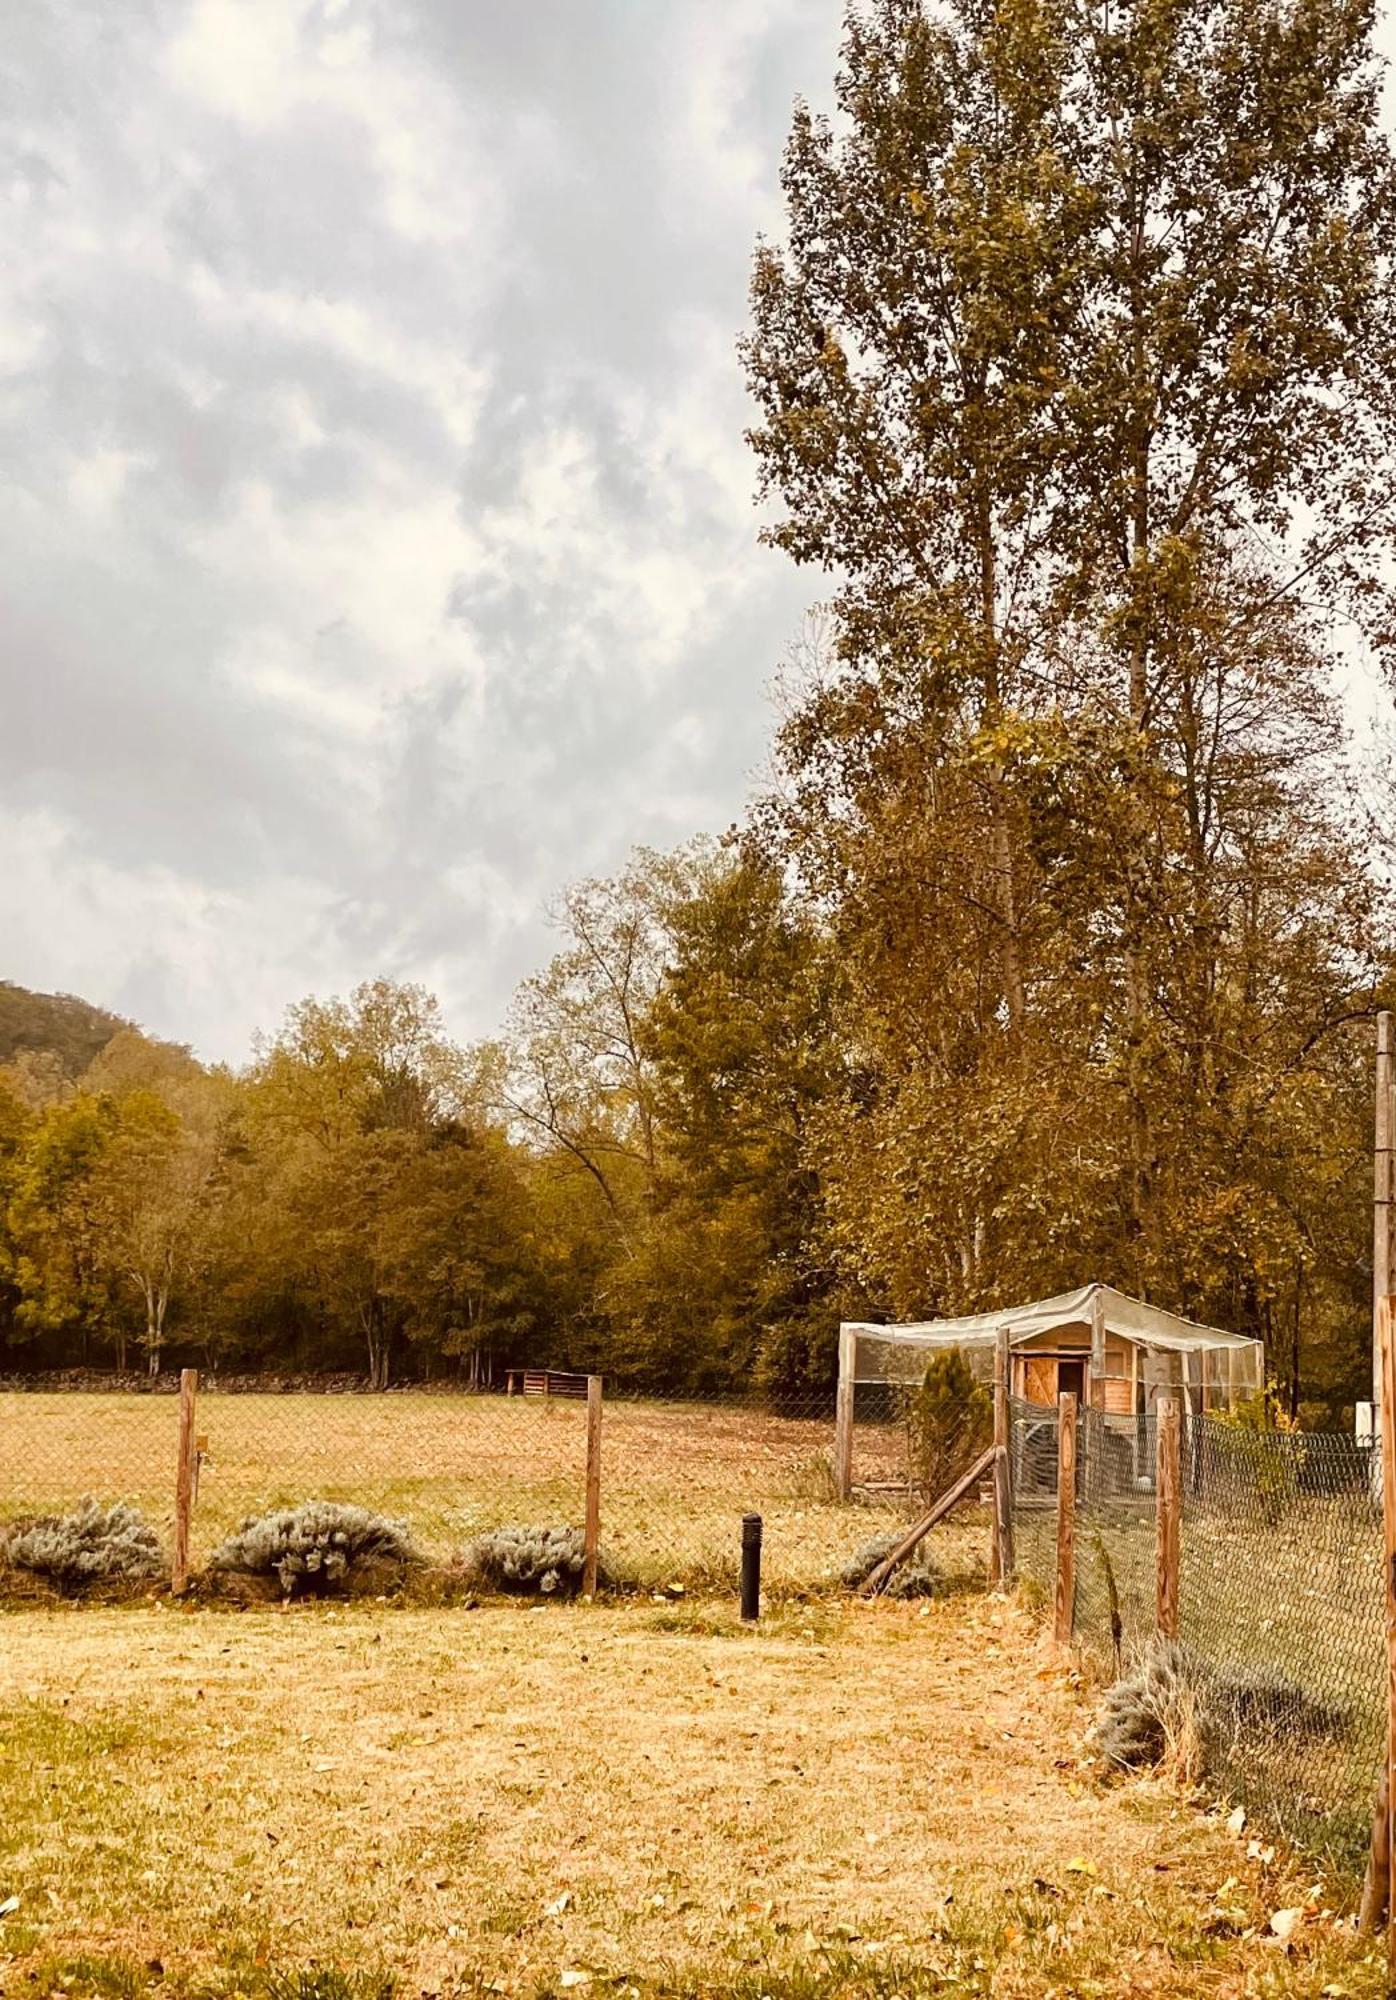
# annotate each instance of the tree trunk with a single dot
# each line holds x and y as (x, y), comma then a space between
(378, 1338)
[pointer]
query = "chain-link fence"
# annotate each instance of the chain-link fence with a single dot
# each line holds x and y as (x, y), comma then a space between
(676, 1477)
(1280, 1606)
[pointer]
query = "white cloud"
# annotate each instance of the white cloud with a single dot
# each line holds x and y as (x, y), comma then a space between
(377, 525)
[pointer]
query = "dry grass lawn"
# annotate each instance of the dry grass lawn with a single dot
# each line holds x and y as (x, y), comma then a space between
(847, 1801)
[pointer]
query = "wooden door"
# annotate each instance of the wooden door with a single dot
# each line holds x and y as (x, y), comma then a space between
(1040, 1380)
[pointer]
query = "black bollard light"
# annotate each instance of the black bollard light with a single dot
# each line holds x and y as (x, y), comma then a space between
(751, 1567)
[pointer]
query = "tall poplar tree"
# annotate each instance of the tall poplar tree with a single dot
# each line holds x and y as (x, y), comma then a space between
(1073, 373)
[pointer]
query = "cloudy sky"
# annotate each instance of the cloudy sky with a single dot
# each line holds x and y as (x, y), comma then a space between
(379, 548)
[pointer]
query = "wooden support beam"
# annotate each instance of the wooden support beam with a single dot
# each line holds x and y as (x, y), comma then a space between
(1170, 1500)
(1376, 1883)
(1097, 1350)
(949, 1499)
(1065, 1606)
(1001, 1563)
(592, 1539)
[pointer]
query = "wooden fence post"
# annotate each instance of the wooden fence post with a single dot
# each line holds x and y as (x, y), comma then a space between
(593, 1525)
(1386, 1342)
(1169, 1485)
(1066, 1518)
(1002, 1555)
(1384, 1188)
(843, 1413)
(185, 1476)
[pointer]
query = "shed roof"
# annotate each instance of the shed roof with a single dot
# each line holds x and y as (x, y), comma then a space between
(1127, 1318)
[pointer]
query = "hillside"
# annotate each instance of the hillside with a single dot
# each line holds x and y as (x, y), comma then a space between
(74, 1030)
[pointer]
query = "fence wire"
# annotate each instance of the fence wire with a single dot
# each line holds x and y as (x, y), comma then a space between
(1281, 1618)
(676, 1477)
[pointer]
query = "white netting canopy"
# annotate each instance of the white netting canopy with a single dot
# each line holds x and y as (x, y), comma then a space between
(871, 1353)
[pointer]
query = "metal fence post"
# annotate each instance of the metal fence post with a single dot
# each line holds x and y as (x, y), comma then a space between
(843, 1412)
(751, 1567)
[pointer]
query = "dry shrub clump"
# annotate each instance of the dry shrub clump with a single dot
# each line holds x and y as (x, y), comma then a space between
(1176, 1709)
(545, 1562)
(919, 1576)
(90, 1546)
(317, 1549)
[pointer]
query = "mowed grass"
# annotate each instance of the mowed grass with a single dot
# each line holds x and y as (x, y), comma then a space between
(850, 1801)
(676, 1477)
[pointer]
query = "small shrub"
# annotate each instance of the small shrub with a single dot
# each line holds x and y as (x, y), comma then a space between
(547, 1562)
(1176, 1707)
(317, 1548)
(918, 1576)
(1258, 1454)
(92, 1545)
(814, 1478)
(949, 1420)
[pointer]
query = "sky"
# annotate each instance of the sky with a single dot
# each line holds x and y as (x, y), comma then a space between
(378, 539)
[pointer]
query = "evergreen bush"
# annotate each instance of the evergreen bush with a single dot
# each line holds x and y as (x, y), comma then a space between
(547, 1562)
(317, 1548)
(949, 1420)
(93, 1544)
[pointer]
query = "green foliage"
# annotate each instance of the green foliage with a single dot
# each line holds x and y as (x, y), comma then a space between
(91, 1545)
(949, 1421)
(1257, 1453)
(545, 1562)
(329, 1982)
(316, 1549)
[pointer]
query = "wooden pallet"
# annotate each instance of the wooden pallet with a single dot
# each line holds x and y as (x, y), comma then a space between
(546, 1382)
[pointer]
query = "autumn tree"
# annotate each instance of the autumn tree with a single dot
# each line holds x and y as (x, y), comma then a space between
(1076, 307)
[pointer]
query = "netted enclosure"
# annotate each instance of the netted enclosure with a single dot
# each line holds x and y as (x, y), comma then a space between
(1280, 1606)
(1114, 1353)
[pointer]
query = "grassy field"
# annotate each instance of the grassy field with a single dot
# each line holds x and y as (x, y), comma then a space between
(847, 1801)
(677, 1478)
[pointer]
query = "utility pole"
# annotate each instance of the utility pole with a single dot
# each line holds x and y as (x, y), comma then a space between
(1384, 1190)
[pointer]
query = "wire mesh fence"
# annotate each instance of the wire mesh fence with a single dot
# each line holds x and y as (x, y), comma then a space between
(1280, 1605)
(676, 1477)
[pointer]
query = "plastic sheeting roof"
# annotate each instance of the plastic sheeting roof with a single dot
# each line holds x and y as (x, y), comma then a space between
(1131, 1319)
